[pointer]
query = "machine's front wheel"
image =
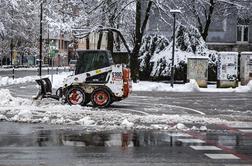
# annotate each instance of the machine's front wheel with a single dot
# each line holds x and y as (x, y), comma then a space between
(76, 96)
(101, 98)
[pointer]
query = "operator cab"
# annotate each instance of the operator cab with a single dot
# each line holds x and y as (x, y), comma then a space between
(89, 60)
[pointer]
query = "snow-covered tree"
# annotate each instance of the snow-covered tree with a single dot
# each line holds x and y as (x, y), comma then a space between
(188, 43)
(17, 26)
(151, 44)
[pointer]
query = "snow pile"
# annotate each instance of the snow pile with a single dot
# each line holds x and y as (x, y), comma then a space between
(21, 110)
(9, 81)
(180, 126)
(203, 128)
(23, 116)
(57, 79)
(8, 100)
(86, 121)
(125, 123)
(247, 88)
(192, 86)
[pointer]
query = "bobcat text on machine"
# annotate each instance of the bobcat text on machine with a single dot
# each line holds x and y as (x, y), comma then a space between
(97, 79)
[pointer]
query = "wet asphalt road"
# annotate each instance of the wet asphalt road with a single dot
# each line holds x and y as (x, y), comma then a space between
(40, 144)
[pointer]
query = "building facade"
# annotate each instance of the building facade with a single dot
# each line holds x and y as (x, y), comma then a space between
(225, 34)
(231, 34)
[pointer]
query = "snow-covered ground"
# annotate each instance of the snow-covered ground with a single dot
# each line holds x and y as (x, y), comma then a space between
(47, 111)
(53, 112)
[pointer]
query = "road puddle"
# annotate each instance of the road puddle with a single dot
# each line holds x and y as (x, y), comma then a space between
(20, 135)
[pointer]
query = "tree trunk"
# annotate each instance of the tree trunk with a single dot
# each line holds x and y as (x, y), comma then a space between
(110, 41)
(99, 41)
(139, 31)
(87, 43)
(204, 33)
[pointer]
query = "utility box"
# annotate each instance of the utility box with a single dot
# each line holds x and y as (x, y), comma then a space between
(246, 67)
(197, 69)
(227, 70)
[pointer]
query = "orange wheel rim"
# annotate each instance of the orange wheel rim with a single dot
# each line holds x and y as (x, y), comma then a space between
(101, 98)
(75, 97)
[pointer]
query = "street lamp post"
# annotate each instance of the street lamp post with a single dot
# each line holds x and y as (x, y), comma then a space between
(173, 12)
(40, 40)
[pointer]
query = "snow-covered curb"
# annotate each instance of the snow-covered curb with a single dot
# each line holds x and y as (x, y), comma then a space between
(192, 86)
(34, 68)
(56, 83)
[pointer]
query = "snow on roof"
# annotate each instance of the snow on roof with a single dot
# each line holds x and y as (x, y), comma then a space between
(228, 53)
(246, 53)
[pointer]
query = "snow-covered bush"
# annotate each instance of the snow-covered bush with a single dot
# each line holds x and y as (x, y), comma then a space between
(156, 54)
(152, 44)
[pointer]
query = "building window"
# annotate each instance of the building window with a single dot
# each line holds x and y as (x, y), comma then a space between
(243, 30)
(242, 33)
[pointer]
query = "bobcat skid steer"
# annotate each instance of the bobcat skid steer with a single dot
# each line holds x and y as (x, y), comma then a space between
(97, 79)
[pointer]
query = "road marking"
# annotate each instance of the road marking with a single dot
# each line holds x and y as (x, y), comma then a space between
(166, 105)
(136, 111)
(222, 156)
(246, 130)
(186, 108)
(191, 141)
(205, 148)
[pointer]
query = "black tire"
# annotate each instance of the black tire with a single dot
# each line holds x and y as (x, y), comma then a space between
(59, 92)
(76, 96)
(101, 98)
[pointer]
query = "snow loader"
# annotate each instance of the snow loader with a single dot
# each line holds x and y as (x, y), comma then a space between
(97, 79)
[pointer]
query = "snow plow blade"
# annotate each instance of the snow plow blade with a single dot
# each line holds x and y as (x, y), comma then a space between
(45, 90)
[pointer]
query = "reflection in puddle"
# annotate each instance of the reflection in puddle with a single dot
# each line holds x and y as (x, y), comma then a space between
(39, 137)
(124, 139)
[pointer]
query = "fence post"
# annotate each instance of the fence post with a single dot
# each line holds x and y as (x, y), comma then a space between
(13, 73)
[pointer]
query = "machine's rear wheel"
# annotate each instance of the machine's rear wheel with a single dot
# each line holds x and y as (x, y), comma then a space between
(76, 96)
(101, 98)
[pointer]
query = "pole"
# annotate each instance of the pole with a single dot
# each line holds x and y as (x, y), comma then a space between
(40, 40)
(11, 59)
(173, 50)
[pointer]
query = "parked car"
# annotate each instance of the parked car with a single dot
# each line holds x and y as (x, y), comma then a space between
(72, 65)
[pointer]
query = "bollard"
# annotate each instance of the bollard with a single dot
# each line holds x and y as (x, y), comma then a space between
(57, 70)
(48, 70)
(13, 73)
(64, 68)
